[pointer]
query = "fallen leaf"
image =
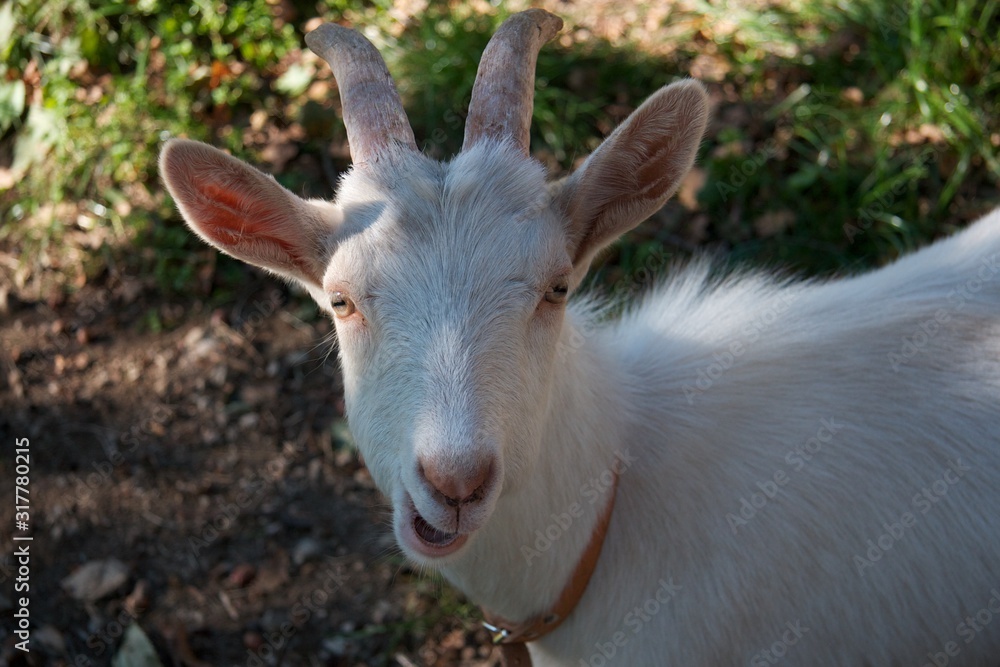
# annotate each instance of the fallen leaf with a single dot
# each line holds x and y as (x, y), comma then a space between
(692, 184)
(242, 575)
(305, 550)
(96, 579)
(177, 640)
(710, 68)
(136, 650)
(773, 222)
(853, 94)
(138, 600)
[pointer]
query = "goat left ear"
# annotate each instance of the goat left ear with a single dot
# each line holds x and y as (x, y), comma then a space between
(245, 213)
(633, 173)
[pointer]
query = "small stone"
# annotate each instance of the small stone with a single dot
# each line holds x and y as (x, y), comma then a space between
(336, 645)
(249, 420)
(305, 550)
(252, 640)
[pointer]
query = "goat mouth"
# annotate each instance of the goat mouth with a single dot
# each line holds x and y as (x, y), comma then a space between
(430, 534)
(423, 538)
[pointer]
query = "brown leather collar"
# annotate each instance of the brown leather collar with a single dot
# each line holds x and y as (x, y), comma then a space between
(513, 637)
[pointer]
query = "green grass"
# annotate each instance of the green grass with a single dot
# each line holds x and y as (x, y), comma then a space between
(846, 134)
(844, 113)
(438, 607)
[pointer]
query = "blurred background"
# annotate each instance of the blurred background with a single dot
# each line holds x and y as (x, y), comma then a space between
(195, 499)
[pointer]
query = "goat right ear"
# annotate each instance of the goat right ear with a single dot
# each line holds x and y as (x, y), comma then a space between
(246, 213)
(633, 173)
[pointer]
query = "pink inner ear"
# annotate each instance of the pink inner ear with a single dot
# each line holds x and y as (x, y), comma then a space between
(242, 211)
(659, 170)
(231, 219)
(637, 168)
(648, 173)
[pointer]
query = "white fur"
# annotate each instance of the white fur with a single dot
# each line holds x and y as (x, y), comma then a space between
(810, 352)
(706, 396)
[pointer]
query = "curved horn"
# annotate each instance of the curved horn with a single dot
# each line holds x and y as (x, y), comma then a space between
(373, 113)
(503, 95)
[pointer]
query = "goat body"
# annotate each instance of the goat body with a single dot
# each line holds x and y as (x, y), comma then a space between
(807, 471)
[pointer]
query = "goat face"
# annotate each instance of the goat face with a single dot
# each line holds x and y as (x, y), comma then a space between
(447, 289)
(447, 282)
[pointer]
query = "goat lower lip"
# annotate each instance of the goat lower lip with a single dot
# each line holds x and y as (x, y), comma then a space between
(425, 541)
(430, 534)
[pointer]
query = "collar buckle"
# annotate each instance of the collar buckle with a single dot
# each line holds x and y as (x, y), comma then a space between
(497, 634)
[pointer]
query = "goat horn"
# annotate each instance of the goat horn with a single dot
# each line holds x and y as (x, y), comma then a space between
(504, 92)
(373, 113)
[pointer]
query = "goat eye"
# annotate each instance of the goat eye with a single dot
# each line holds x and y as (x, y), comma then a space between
(557, 292)
(342, 305)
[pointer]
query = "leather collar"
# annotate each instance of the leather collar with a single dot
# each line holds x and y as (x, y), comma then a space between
(513, 637)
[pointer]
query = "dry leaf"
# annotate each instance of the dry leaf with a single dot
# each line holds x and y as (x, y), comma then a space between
(96, 579)
(136, 650)
(773, 222)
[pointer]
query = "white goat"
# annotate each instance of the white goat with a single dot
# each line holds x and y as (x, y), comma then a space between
(807, 472)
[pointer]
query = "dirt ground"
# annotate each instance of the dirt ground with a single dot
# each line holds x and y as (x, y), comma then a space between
(197, 481)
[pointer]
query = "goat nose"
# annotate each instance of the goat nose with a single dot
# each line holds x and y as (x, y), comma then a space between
(457, 488)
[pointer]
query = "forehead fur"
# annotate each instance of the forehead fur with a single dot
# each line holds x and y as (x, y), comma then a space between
(490, 174)
(487, 205)
(495, 177)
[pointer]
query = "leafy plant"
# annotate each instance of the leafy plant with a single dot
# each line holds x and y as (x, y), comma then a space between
(845, 133)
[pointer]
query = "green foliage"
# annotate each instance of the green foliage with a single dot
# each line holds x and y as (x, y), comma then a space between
(434, 607)
(435, 63)
(111, 81)
(867, 127)
(876, 173)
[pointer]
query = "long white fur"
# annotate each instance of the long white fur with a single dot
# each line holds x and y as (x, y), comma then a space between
(705, 396)
(812, 354)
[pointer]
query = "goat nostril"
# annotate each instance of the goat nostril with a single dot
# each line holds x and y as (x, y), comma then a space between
(457, 489)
